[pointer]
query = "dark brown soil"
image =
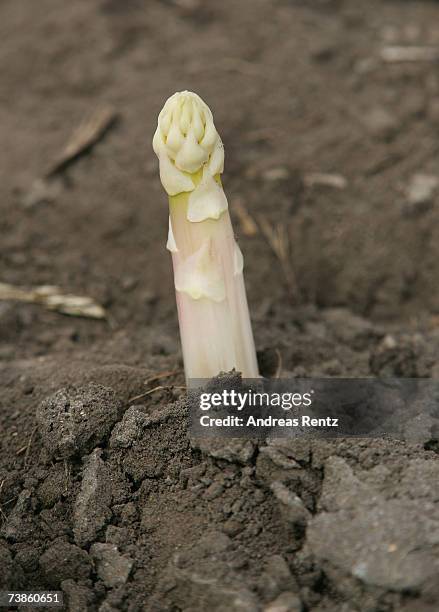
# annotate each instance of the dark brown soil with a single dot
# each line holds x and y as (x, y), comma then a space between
(108, 499)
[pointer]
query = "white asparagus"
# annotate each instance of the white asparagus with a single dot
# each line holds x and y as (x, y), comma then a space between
(215, 327)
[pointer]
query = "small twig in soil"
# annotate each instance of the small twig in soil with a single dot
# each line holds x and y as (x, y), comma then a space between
(67, 474)
(25, 449)
(236, 64)
(161, 375)
(2, 514)
(263, 134)
(247, 223)
(53, 299)
(159, 388)
(278, 240)
(89, 132)
(142, 395)
(396, 54)
(28, 447)
(154, 378)
(327, 180)
(383, 164)
(279, 364)
(48, 187)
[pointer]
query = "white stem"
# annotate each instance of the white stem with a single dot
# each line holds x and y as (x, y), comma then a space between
(212, 306)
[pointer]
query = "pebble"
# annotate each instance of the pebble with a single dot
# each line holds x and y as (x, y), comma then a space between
(381, 123)
(112, 567)
(232, 527)
(421, 192)
(292, 506)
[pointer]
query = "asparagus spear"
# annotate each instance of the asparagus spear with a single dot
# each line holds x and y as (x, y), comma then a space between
(215, 327)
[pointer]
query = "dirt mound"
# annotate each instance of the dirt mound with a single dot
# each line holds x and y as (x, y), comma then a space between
(141, 516)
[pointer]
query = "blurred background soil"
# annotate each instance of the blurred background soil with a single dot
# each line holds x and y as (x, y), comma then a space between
(329, 113)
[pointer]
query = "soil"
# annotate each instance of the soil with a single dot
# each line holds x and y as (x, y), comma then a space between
(106, 497)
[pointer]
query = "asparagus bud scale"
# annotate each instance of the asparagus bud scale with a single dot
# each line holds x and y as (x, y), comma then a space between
(215, 327)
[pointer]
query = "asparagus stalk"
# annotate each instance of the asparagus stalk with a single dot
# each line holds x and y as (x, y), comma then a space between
(214, 321)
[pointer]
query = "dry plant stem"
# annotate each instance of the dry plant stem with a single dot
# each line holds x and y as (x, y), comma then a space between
(2, 514)
(212, 306)
(327, 180)
(53, 299)
(279, 242)
(161, 375)
(395, 54)
(91, 130)
(247, 223)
